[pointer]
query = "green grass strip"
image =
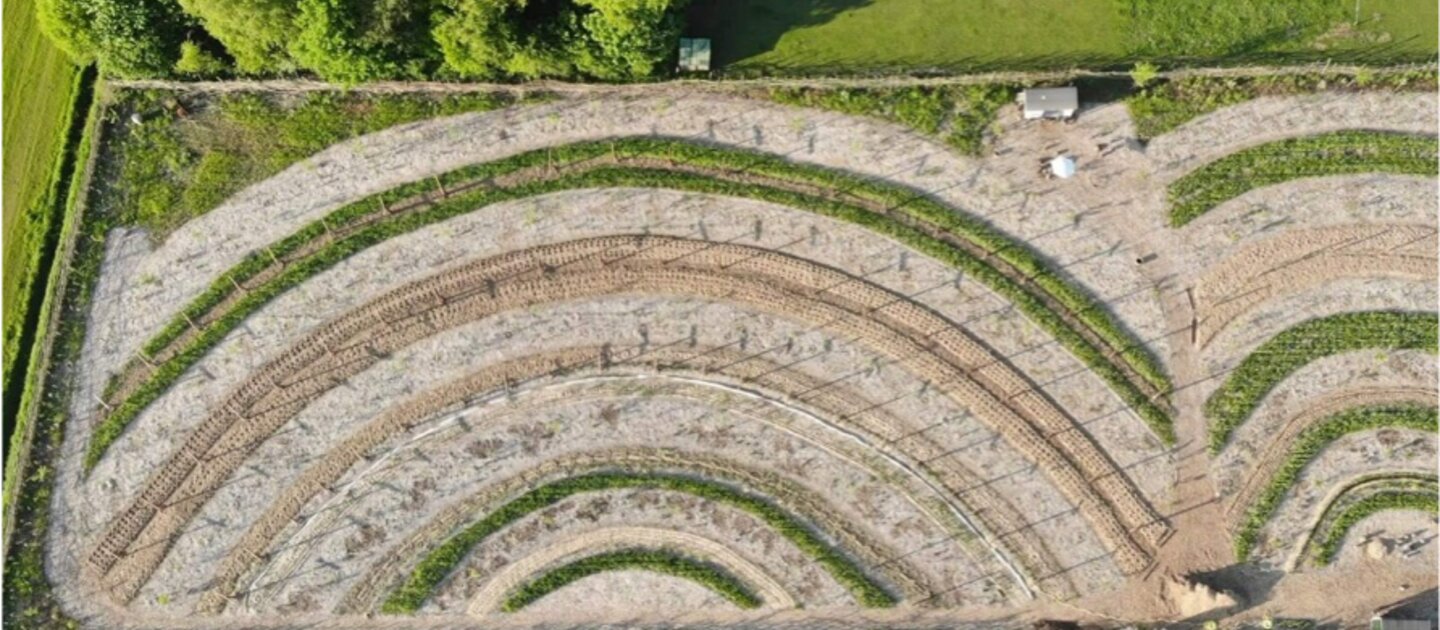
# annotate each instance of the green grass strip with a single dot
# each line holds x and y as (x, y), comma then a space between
(1231, 404)
(909, 203)
(1309, 445)
(442, 561)
(703, 573)
(1374, 504)
(1336, 153)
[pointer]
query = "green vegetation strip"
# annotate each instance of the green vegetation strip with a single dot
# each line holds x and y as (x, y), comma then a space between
(1164, 106)
(444, 559)
(703, 573)
(39, 435)
(1337, 153)
(1380, 502)
(904, 203)
(1231, 404)
(1309, 445)
(961, 115)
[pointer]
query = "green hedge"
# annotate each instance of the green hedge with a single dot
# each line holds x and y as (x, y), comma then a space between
(443, 560)
(909, 204)
(1259, 373)
(1424, 501)
(703, 573)
(1337, 153)
(1309, 445)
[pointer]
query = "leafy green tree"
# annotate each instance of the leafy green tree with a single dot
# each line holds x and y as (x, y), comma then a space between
(195, 61)
(255, 32)
(128, 38)
(67, 24)
(352, 41)
(628, 39)
(605, 39)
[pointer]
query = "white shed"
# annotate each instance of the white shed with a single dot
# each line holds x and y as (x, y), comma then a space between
(1058, 102)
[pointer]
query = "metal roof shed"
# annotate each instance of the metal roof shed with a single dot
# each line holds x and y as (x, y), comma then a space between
(1058, 102)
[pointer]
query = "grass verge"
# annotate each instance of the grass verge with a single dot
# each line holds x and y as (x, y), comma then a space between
(1303, 343)
(1309, 445)
(703, 573)
(1337, 153)
(443, 560)
(1391, 500)
(1037, 295)
(44, 408)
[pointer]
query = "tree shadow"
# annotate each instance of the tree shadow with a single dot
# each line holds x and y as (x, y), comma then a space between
(740, 29)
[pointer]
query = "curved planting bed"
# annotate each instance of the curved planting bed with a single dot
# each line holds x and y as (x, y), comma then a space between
(703, 573)
(1299, 345)
(1337, 153)
(1011, 269)
(1329, 546)
(1309, 445)
(440, 562)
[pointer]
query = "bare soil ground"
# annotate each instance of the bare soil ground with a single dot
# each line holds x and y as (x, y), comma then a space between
(950, 441)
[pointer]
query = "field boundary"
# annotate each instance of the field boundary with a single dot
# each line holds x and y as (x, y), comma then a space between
(17, 458)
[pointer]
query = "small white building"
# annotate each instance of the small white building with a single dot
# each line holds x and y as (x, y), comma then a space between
(694, 54)
(1058, 102)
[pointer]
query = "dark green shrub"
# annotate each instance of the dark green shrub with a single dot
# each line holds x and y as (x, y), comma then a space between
(704, 573)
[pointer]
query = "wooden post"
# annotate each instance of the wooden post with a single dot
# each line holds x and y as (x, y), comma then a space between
(235, 284)
(443, 194)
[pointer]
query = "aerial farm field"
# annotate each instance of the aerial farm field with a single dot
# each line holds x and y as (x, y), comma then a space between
(348, 349)
(718, 355)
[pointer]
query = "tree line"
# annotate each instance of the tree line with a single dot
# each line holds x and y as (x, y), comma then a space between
(353, 41)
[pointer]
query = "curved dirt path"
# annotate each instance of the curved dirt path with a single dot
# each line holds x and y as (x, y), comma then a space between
(389, 573)
(499, 585)
(278, 390)
(999, 522)
(1297, 260)
(1262, 468)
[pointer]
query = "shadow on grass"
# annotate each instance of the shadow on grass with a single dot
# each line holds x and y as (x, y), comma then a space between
(740, 29)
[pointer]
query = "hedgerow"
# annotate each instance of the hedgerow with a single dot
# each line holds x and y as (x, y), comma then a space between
(1231, 404)
(1330, 546)
(443, 560)
(911, 212)
(1337, 153)
(1309, 445)
(704, 573)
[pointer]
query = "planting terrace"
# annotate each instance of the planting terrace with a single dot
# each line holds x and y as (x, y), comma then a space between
(665, 354)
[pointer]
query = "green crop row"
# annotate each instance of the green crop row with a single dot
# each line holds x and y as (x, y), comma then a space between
(1330, 546)
(1309, 445)
(1336, 153)
(703, 573)
(1259, 373)
(906, 203)
(443, 560)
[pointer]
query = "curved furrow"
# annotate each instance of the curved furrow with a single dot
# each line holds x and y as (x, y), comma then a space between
(928, 345)
(1298, 260)
(491, 595)
(903, 441)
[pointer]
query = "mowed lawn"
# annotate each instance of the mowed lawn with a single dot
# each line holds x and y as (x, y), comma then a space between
(909, 33)
(976, 35)
(38, 83)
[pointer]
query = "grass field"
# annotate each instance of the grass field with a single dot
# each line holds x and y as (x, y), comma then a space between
(40, 87)
(854, 35)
